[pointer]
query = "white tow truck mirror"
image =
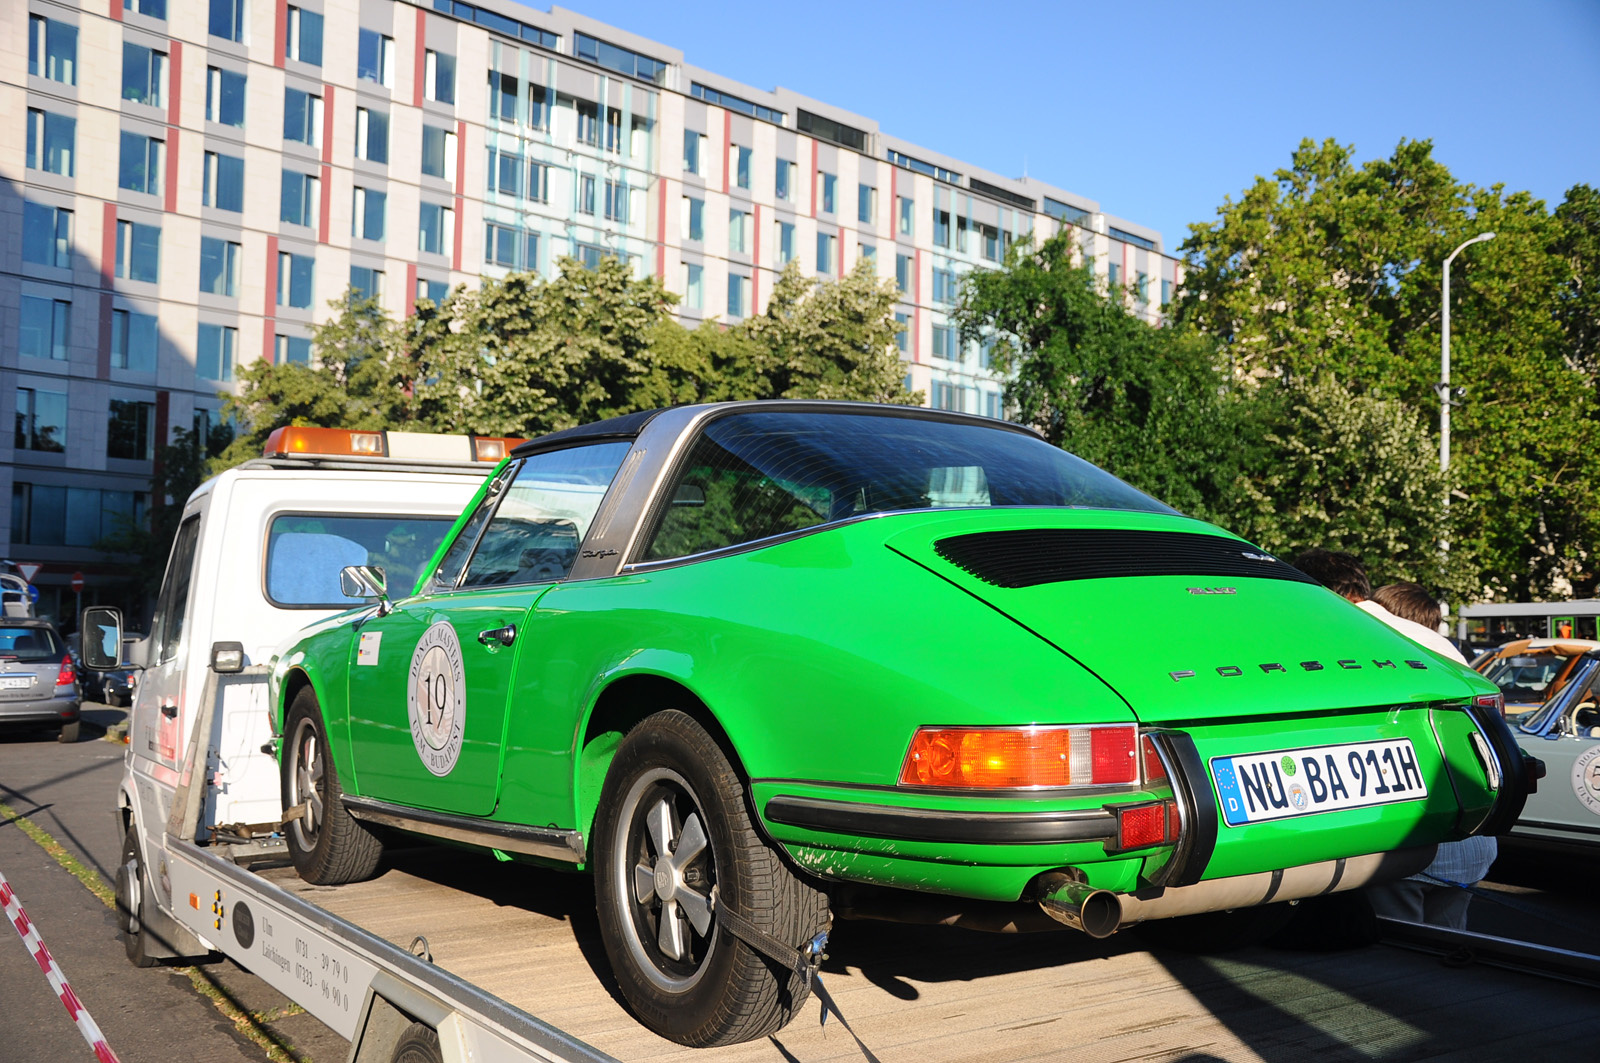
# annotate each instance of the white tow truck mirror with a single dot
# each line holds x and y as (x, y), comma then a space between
(101, 641)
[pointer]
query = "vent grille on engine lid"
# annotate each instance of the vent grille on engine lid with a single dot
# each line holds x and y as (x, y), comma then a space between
(1030, 557)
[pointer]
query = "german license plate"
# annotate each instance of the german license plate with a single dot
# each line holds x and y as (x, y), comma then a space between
(15, 682)
(1304, 782)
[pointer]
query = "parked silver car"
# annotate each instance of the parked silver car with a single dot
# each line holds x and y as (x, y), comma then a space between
(1564, 815)
(38, 683)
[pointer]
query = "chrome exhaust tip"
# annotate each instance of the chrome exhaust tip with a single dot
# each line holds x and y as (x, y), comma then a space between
(1095, 912)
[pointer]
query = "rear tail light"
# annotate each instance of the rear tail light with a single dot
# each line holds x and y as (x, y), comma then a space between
(1497, 702)
(1021, 757)
(1142, 825)
(1154, 770)
(68, 675)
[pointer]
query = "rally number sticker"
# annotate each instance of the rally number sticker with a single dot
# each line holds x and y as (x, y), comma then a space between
(1586, 779)
(437, 698)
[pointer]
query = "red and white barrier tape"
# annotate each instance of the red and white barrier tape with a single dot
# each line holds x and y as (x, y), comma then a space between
(58, 981)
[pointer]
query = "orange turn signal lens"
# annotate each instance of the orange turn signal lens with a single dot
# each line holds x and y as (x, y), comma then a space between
(305, 439)
(493, 448)
(1022, 757)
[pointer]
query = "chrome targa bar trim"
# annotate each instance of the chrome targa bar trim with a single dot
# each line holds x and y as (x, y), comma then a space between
(551, 843)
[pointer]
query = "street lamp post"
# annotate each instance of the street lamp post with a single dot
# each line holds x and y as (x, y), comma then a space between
(1447, 395)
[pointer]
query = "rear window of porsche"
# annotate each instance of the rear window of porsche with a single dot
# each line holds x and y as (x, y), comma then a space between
(753, 475)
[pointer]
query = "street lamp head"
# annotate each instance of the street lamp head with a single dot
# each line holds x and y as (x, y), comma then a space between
(1484, 236)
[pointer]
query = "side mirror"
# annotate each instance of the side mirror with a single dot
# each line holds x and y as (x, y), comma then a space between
(365, 581)
(101, 638)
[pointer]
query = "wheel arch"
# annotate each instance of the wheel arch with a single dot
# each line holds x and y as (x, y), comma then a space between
(621, 705)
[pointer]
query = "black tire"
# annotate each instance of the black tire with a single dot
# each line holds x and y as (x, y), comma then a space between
(685, 977)
(132, 903)
(327, 845)
(1214, 932)
(418, 1043)
(69, 731)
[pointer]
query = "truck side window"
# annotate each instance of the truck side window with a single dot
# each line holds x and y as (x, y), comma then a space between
(172, 606)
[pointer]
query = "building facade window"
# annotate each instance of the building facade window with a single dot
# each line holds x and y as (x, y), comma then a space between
(902, 338)
(505, 173)
(375, 58)
(219, 266)
(141, 164)
(148, 8)
(585, 194)
(214, 351)
(741, 170)
(588, 123)
(991, 242)
(945, 288)
(41, 420)
(138, 252)
(694, 218)
(538, 115)
(902, 273)
(783, 183)
(295, 274)
(941, 228)
(992, 405)
(46, 235)
(372, 135)
(366, 283)
(1166, 292)
(944, 343)
(133, 341)
(503, 96)
(692, 142)
(225, 97)
(228, 19)
(367, 218)
(1141, 287)
(538, 182)
(785, 243)
(869, 253)
(52, 50)
(511, 247)
(1114, 273)
(907, 219)
(694, 295)
(616, 201)
(52, 142)
(287, 349)
(224, 182)
(438, 76)
(131, 433)
(590, 254)
(436, 292)
(738, 295)
(48, 515)
(144, 75)
(433, 223)
(302, 117)
(299, 201)
(45, 325)
(438, 152)
(866, 204)
(825, 251)
(739, 231)
(303, 42)
(829, 187)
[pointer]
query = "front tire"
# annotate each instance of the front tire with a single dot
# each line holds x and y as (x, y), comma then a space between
(132, 904)
(327, 845)
(673, 823)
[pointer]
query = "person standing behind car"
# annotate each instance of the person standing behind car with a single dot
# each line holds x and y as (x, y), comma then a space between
(1441, 893)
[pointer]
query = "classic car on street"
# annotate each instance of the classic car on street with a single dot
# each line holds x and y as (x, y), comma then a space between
(1529, 672)
(1564, 816)
(738, 658)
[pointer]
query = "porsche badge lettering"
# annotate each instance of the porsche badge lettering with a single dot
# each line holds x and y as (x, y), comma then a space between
(1230, 671)
(436, 698)
(1213, 590)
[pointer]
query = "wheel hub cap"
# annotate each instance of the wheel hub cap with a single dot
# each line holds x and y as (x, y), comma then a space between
(662, 879)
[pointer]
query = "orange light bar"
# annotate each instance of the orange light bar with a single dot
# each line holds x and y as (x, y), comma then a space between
(293, 440)
(1022, 757)
(493, 448)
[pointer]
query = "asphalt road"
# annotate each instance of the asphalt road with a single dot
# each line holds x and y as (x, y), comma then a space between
(152, 1015)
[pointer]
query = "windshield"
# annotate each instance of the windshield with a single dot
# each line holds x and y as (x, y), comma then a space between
(753, 475)
(305, 553)
(29, 644)
(1525, 682)
(1577, 687)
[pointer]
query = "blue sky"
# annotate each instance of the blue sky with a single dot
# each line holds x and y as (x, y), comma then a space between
(1159, 110)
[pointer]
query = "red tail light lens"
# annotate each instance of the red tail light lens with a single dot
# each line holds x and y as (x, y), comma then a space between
(68, 675)
(1021, 757)
(1154, 770)
(1142, 825)
(1497, 702)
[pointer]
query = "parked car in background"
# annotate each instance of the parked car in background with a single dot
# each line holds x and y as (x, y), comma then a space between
(38, 679)
(1529, 672)
(114, 688)
(1564, 815)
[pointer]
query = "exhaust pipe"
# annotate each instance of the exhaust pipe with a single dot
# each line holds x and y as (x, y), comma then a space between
(1100, 913)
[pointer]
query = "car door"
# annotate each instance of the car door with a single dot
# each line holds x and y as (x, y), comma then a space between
(430, 683)
(1566, 807)
(156, 728)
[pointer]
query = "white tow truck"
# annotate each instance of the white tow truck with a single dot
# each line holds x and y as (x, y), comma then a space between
(257, 556)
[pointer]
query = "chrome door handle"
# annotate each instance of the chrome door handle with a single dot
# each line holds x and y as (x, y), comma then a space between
(503, 635)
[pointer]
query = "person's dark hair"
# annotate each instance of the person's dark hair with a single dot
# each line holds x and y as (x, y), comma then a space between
(1410, 601)
(1340, 573)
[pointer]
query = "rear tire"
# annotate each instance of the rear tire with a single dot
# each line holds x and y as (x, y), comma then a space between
(132, 903)
(327, 845)
(69, 731)
(418, 1043)
(673, 823)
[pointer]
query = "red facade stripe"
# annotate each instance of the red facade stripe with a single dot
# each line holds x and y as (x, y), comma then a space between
(755, 266)
(327, 203)
(174, 110)
(327, 122)
(727, 148)
(661, 232)
(280, 26)
(271, 276)
(269, 340)
(461, 183)
(419, 70)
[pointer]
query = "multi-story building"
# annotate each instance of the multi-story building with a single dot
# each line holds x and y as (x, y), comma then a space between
(186, 184)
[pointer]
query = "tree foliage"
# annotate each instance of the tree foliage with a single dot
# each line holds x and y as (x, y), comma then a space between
(1332, 269)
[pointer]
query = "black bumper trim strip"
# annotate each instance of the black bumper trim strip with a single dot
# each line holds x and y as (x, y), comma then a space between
(938, 825)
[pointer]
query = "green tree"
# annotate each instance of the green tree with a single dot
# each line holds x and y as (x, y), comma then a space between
(1578, 308)
(1332, 268)
(1148, 403)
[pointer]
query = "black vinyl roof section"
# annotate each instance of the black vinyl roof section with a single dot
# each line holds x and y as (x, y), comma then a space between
(625, 427)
